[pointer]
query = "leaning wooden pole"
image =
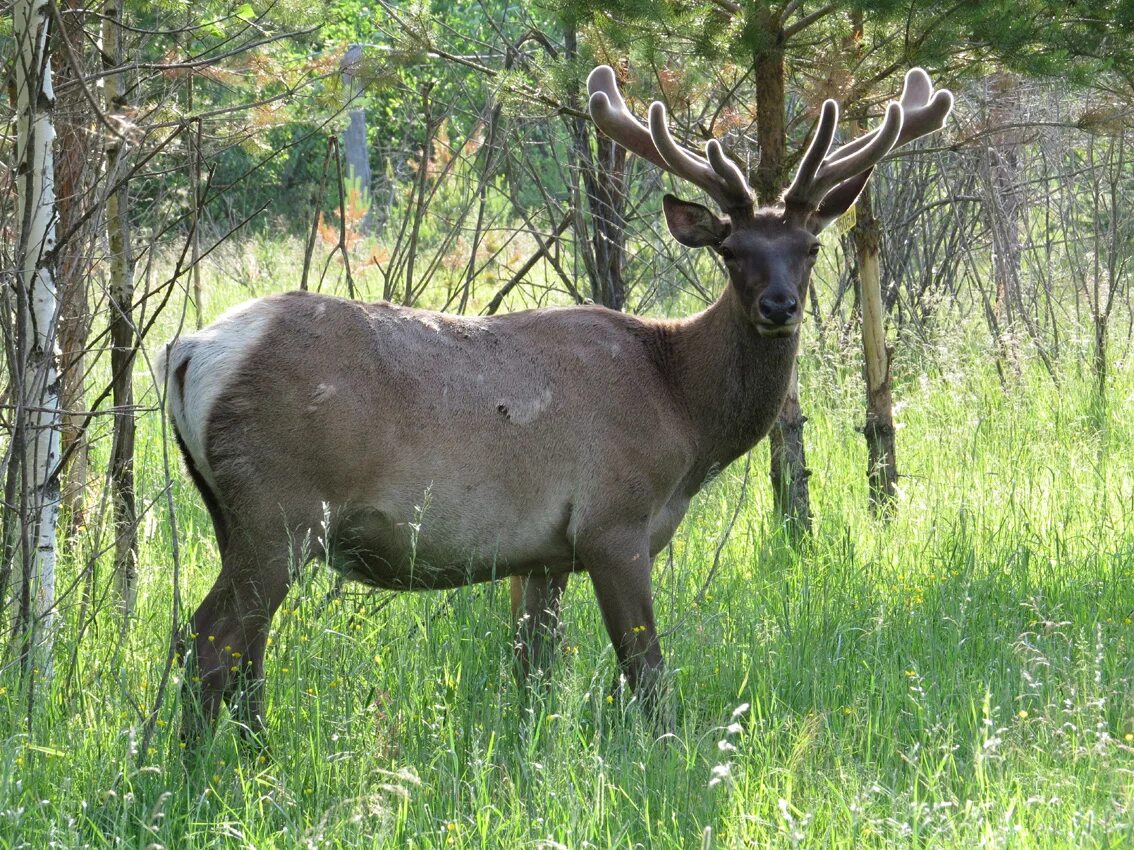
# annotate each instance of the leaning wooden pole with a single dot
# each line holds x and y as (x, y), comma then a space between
(882, 465)
(40, 414)
(121, 326)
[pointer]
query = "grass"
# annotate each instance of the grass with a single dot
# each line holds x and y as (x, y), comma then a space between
(959, 677)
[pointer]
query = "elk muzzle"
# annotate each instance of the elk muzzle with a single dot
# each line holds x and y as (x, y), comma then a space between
(777, 313)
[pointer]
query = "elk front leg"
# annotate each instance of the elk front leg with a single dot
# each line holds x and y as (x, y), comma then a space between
(621, 578)
(535, 608)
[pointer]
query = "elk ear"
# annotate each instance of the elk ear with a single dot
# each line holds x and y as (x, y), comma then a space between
(693, 225)
(838, 201)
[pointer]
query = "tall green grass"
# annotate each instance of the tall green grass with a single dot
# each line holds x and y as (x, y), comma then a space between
(958, 677)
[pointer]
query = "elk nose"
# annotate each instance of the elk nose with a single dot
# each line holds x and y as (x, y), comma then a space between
(778, 308)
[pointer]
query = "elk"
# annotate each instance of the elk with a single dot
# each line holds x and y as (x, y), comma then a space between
(415, 450)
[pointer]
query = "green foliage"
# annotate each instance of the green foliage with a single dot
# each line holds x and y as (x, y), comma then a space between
(266, 150)
(1075, 41)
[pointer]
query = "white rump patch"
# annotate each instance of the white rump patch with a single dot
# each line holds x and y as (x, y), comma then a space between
(215, 354)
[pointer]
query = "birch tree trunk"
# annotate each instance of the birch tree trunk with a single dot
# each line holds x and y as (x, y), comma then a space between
(39, 416)
(121, 327)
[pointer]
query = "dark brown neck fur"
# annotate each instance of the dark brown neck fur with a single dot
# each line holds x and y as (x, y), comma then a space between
(731, 380)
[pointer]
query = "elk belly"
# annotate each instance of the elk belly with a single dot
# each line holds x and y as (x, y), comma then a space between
(370, 546)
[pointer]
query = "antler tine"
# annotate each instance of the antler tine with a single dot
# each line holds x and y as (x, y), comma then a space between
(728, 170)
(714, 173)
(927, 119)
(919, 113)
(836, 169)
(726, 186)
(925, 110)
(923, 113)
(611, 115)
(816, 152)
(810, 186)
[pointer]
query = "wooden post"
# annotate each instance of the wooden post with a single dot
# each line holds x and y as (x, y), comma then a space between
(882, 467)
(355, 147)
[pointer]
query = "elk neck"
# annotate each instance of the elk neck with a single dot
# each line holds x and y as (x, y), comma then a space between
(731, 380)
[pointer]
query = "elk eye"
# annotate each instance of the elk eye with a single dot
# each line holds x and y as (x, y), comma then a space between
(726, 253)
(814, 250)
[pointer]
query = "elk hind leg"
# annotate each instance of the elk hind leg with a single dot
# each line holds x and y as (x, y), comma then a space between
(535, 609)
(230, 633)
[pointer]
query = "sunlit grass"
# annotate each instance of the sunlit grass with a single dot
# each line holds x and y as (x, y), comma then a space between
(959, 677)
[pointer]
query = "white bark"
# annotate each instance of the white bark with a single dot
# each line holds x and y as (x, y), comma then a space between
(35, 101)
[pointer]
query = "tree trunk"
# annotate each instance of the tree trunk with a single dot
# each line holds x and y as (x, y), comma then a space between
(422, 182)
(1109, 266)
(882, 468)
(789, 472)
(72, 169)
(193, 148)
(39, 416)
(357, 155)
(1099, 357)
(603, 242)
(121, 329)
(605, 180)
(771, 134)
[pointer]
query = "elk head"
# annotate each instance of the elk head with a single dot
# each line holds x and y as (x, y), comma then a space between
(769, 252)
